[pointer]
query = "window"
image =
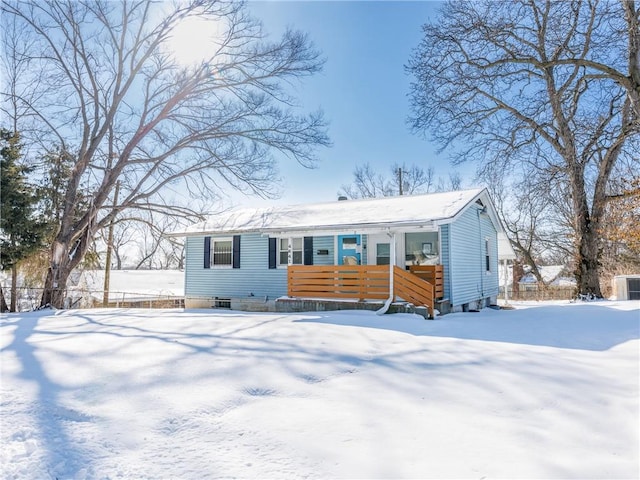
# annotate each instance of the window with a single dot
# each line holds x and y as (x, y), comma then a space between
(383, 253)
(487, 256)
(290, 248)
(221, 252)
(421, 248)
(349, 243)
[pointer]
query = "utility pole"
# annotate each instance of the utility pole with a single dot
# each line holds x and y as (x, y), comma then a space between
(107, 267)
(400, 180)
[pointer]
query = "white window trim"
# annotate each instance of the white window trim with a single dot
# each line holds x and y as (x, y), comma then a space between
(212, 256)
(289, 251)
(487, 254)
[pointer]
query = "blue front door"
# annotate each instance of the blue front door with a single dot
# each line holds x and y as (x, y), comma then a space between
(349, 250)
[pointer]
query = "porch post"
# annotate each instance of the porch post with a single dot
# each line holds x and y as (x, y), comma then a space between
(505, 266)
(392, 264)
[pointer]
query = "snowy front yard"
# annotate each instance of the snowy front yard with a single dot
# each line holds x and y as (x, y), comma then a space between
(549, 391)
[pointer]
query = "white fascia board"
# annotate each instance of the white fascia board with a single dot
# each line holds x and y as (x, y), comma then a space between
(226, 233)
(338, 229)
(430, 226)
(352, 229)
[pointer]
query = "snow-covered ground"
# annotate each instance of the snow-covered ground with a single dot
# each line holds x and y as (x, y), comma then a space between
(542, 391)
(131, 284)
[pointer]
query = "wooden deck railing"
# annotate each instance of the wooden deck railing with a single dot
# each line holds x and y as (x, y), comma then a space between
(434, 274)
(366, 282)
(339, 281)
(411, 288)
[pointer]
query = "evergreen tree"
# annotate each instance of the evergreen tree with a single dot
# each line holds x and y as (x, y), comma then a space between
(22, 232)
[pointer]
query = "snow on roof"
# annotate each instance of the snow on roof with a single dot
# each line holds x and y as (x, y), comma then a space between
(550, 275)
(505, 250)
(408, 210)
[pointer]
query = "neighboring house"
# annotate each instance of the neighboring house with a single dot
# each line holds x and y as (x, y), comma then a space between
(557, 285)
(506, 257)
(248, 258)
(552, 275)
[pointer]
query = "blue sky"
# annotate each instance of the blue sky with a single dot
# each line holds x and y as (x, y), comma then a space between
(363, 91)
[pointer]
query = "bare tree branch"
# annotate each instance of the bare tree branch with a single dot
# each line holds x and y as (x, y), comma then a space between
(124, 110)
(545, 92)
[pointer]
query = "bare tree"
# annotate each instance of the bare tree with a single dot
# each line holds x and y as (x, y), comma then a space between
(122, 108)
(122, 240)
(535, 230)
(368, 183)
(621, 228)
(546, 90)
(451, 183)
(401, 180)
(155, 248)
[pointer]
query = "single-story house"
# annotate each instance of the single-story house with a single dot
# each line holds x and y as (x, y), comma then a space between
(367, 249)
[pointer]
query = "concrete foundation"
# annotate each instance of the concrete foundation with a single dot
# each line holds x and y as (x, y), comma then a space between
(253, 304)
(474, 305)
(198, 302)
(293, 305)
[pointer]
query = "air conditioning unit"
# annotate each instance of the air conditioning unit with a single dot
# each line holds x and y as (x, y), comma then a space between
(626, 287)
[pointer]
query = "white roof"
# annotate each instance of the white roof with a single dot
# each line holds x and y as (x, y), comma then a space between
(505, 250)
(348, 215)
(550, 274)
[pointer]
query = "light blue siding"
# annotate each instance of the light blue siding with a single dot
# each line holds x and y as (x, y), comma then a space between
(445, 259)
(253, 276)
(469, 279)
(489, 231)
(324, 243)
(363, 257)
(462, 252)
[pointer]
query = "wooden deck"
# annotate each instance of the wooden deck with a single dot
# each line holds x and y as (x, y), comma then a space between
(366, 282)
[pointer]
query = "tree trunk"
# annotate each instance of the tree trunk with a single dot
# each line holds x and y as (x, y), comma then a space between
(65, 256)
(587, 253)
(3, 303)
(518, 273)
(14, 287)
(587, 276)
(55, 284)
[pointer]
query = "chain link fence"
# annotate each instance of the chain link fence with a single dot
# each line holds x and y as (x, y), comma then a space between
(28, 299)
(533, 292)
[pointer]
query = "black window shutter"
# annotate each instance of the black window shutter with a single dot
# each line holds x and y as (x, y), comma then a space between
(308, 250)
(236, 251)
(207, 252)
(273, 243)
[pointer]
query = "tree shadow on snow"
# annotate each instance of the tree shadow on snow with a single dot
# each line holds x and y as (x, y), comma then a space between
(63, 457)
(574, 326)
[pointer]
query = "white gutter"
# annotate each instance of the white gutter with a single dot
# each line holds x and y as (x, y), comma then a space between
(392, 263)
(363, 228)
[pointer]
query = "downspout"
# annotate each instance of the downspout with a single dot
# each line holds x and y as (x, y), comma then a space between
(482, 255)
(392, 263)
